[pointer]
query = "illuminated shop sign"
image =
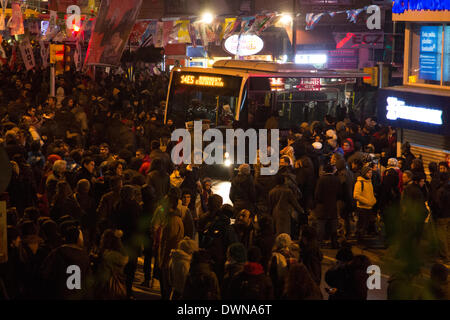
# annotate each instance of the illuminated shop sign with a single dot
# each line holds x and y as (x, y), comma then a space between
(243, 45)
(205, 81)
(397, 109)
(311, 58)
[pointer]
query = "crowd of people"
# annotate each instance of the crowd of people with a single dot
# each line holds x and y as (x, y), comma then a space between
(93, 185)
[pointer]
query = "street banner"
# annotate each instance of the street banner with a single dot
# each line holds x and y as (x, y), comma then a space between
(228, 27)
(158, 42)
(53, 18)
(167, 29)
(15, 23)
(45, 52)
(139, 29)
(4, 4)
(113, 26)
(180, 32)
(26, 52)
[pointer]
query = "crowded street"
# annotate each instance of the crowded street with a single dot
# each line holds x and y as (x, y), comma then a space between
(155, 150)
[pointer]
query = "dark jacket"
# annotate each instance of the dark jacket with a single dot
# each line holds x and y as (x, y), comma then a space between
(160, 182)
(242, 193)
(201, 283)
(54, 273)
(172, 234)
(346, 179)
(283, 204)
(251, 284)
(443, 201)
(328, 191)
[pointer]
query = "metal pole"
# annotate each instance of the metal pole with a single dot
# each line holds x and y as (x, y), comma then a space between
(294, 29)
(52, 80)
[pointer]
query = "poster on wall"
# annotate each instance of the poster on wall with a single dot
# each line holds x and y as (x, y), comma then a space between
(343, 59)
(430, 53)
(113, 26)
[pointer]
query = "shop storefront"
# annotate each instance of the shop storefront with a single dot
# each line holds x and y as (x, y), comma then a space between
(420, 108)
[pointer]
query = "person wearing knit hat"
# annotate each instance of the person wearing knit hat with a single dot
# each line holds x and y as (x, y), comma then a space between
(236, 259)
(53, 157)
(236, 253)
(365, 200)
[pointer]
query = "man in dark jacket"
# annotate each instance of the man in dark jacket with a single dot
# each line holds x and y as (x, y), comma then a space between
(157, 153)
(58, 271)
(284, 206)
(345, 205)
(158, 179)
(328, 192)
(242, 191)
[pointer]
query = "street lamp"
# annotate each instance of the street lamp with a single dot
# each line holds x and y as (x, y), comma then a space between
(286, 19)
(207, 17)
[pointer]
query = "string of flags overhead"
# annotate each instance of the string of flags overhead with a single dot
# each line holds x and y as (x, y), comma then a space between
(313, 18)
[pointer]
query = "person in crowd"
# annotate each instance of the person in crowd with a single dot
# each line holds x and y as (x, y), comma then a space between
(300, 285)
(236, 258)
(242, 191)
(365, 201)
(328, 192)
(179, 265)
(278, 264)
(201, 282)
(284, 206)
(110, 281)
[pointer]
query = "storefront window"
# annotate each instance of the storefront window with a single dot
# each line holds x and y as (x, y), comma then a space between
(447, 56)
(426, 54)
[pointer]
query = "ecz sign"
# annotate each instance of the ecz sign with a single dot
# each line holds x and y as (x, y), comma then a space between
(354, 40)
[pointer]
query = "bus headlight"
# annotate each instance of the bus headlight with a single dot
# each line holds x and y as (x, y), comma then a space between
(227, 162)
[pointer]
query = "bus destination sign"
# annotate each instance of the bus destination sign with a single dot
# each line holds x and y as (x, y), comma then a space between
(204, 81)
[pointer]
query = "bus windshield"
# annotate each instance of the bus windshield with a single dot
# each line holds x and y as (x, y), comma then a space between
(203, 96)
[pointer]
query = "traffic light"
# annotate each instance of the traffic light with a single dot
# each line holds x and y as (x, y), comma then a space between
(372, 79)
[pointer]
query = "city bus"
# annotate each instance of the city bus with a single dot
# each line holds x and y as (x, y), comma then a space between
(245, 94)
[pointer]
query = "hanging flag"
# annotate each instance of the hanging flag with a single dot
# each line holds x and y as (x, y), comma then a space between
(138, 31)
(149, 35)
(45, 51)
(159, 35)
(201, 32)
(227, 27)
(246, 24)
(352, 15)
(312, 19)
(4, 4)
(180, 32)
(26, 52)
(15, 23)
(168, 26)
(193, 35)
(113, 26)
(266, 22)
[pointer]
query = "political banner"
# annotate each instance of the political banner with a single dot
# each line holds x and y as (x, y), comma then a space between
(167, 29)
(45, 51)
(113, 26)
(149, 35)
(15, 23)
(180, 32)
(158, 42)
(26, 52)
(139, 28)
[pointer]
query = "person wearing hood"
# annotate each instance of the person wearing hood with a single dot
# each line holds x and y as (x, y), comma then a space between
(179, 265)
(251, 283)
(348, 148)
(365, 201)
(328, 192)
(242, 191)
(172, 233)
(408, 156)
(345, 204)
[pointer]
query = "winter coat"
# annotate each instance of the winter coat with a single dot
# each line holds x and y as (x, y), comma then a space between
(179, 265)
(160, 181)
(111, 269)
(201, 284)
(126, 218)
(328, 192)
(242, 193)
(443, 202)
(351, 284)
(188, 221)
(251, 284)
(54, 273)
(107, 204)
(312, 259)
(283, 204)
(346, 179)
(306, 180)
(263, 185)
(165, 158)
(172, 233)
(364, 196)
